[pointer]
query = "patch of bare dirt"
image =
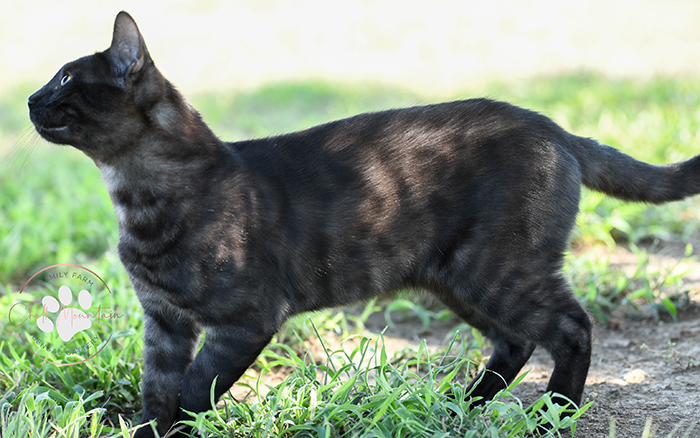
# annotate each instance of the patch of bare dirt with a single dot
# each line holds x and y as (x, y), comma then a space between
(640, 370)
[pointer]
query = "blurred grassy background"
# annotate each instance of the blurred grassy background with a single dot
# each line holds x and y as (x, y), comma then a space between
(437, 50)
(438, 46)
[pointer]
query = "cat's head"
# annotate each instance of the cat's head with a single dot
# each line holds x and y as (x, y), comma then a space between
(102, 102)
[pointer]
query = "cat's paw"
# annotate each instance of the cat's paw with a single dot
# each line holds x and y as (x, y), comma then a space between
(69, 320)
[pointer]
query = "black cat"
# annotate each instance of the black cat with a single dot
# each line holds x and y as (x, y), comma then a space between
(472, 200)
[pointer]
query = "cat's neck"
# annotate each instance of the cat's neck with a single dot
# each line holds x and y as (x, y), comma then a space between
(174, 118)
(161, 172)
(136, 190)
(159, 176)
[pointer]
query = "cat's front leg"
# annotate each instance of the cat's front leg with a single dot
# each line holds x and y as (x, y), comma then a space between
(227, 352)
(169, 347)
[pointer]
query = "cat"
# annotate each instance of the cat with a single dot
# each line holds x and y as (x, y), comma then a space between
(471, 200)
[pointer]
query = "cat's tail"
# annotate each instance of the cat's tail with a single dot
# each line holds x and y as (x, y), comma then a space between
(607, 170)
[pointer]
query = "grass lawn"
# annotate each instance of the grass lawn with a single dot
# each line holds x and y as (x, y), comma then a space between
(54, 209)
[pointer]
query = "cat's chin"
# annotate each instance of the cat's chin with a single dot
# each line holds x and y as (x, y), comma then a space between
(55, 134)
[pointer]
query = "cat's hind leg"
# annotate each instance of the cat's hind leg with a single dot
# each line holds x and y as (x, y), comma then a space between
(509, 356)
(529, 311)
(548, 314)
(567, 337)
(510, 353)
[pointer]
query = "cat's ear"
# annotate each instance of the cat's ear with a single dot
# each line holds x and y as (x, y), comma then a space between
(128, 51)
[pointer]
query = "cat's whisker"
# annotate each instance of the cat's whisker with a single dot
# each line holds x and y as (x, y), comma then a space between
(23, 144)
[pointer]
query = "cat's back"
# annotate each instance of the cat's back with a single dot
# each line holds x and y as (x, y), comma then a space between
(474, 133)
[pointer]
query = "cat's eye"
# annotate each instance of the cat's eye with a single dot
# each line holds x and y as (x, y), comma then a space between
(65, 79)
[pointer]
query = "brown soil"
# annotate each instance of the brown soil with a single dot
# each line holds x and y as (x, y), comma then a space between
(641, 371)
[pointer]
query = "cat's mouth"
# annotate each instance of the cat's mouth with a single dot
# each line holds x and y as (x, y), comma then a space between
(42, 128)
(54, 134)
(53, 129)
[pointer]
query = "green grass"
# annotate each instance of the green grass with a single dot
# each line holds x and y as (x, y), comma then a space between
(357, 391)
(54, 208)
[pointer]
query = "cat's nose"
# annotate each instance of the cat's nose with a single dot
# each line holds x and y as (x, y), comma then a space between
(32, 99)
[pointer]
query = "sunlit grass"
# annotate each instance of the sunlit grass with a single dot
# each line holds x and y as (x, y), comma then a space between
(357, 391)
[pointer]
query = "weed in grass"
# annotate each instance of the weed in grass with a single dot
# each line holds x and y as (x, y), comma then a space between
(604, 287)
(37, 412)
